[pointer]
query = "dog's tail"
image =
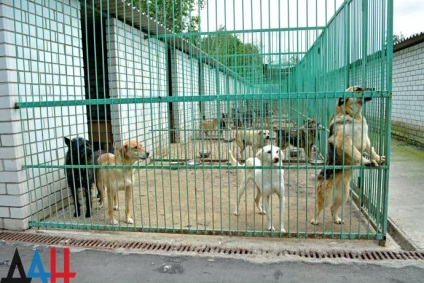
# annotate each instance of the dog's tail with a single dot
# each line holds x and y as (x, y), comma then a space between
(233, 160)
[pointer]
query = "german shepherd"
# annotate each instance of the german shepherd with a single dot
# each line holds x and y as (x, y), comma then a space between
(347, 142)
(302, 138)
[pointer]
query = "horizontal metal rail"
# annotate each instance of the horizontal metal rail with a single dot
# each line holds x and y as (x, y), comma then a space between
(199, 98)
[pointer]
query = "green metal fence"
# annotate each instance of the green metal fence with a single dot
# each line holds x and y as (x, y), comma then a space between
(183, 77)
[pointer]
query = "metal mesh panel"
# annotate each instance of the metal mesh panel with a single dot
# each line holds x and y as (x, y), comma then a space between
(192, 80)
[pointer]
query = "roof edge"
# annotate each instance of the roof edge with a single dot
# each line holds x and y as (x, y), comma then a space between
(409, 42)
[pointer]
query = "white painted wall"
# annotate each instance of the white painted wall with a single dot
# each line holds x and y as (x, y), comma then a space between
(40, 60)
(185, 82)
(137, 68)
(408, 94)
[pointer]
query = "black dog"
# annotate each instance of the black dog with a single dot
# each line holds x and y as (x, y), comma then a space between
(223, 122)
(303, 137)
(80, 153)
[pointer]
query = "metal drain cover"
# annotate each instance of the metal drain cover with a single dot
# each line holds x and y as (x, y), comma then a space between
(205, 249)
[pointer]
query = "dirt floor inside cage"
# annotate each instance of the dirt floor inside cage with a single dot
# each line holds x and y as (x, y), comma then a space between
(203, 198)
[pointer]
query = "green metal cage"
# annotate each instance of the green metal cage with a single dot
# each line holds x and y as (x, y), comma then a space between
(183, 77)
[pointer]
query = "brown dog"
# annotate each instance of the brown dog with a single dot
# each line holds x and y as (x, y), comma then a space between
(212, 125)
(209, 125)
(116, 179)
(302, 138)
(347, 142)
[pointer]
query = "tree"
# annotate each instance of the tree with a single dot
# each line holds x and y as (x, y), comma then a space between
(230, 50)
(178, 16)
(398, 38)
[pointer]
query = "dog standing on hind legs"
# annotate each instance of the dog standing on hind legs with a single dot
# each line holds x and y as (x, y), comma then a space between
(347, 141)
(80, 153)
(267, 181)
(116, 179)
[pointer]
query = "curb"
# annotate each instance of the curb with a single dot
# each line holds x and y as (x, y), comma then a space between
(403, 240)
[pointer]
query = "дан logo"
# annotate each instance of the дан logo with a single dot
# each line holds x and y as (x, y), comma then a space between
(36, 269)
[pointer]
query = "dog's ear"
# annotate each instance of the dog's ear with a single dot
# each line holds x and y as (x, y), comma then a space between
(260, 132)
(259, 154)
(126, 148)
(355, 89)
(67, 141)
(123, 149)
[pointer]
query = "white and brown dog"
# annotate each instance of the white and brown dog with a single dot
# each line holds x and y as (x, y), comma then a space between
(255, 138)
(268, 181)
(346, 145)
(117, 179)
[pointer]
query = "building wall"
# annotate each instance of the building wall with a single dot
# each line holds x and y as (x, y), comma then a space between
(40, 60)
(408, 94)
(210, 75)
(137, 68)
(185, 82)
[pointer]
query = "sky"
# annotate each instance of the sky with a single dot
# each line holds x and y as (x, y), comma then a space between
(408, 17)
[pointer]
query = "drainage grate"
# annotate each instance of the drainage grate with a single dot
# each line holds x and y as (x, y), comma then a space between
(206, 249)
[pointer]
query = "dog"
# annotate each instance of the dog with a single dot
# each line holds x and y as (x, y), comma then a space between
(212, 125)
(348, 140)
(209, 125)
(80, 153)
(116, 179)
(303, 138)
(244, 119)
(255, 138)
(267, 181)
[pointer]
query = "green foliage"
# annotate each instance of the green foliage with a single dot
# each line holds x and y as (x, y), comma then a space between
(176, 15)
(181, 16)
(230, 50)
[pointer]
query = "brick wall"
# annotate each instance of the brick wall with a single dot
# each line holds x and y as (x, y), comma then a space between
(209, 88)
(185, 82)
(137, 68)
(408, 94)
(40, 60)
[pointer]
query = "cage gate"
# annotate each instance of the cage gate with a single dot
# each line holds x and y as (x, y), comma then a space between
(192, 80)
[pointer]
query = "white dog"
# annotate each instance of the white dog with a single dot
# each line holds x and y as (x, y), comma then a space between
(255, 138)
(268, 181)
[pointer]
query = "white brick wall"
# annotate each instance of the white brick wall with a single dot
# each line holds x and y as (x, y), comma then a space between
(185, 82)
(209, 88)
(40, 60)
(408, 94)
(217, 82)
(137, 68)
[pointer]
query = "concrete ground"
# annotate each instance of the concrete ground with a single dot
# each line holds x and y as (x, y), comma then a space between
(117, 266)
(406, 231)
(406, 195)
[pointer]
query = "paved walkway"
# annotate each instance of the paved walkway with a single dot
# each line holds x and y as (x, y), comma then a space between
(406, 195)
